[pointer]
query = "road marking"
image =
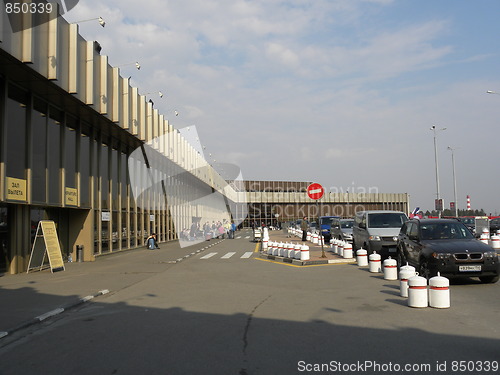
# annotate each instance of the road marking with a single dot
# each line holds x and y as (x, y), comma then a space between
(238, 237)
(49, 314)
(256, 250)
(248, 254)
(247, 237)
(209, 255)
(228, 255)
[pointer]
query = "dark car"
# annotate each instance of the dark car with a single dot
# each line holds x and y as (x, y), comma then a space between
(346, 229)
(469, 222)
(494, 225)
(330, 227)
(446, 246)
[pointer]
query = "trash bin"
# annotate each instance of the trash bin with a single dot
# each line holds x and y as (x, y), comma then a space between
(79, 253)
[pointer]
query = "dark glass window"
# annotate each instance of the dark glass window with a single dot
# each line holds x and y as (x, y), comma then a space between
(123, 180)
(39, 142)
(104, 169)
(15, 131)
(54, 155)
(84, 171)
(95, 172)
(70, 152)
(114, 178)
(125, 231)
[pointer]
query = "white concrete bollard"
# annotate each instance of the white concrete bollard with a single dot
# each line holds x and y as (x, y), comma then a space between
(374, 262)
(290, 250)
(362, 257)
(407, 267)
(315, 238)
(340, 250)
(495, 242)
(304, 252)
(485, 239)
(404, 276)
(295, 249)
(335, 246)
(278, 249)
(417, 292)
(321, 240)
(485, 236)
(309, 236)
(439, 292)
(390, 269)
(265, 243)
(270, 248)
(347, 251)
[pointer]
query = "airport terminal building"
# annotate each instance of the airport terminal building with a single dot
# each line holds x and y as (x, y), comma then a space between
(82, 147)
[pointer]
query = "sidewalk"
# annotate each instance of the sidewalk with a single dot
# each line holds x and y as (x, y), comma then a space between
(315, 252)
(29, 298)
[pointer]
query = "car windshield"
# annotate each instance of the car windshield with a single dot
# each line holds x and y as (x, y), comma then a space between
(445, 231)
(328, 221)
(386, 220)
(467, 220)
(346, 224)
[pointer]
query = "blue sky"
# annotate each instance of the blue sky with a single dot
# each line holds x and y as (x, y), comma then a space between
(338, 92)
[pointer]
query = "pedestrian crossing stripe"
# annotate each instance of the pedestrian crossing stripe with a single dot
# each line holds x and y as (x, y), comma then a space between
(209, 255)
(247, 237)
(228, 255)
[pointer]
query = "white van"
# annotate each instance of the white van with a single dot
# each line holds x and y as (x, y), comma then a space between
(378, 231)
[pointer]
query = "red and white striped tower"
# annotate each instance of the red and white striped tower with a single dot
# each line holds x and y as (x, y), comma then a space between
(468, 202)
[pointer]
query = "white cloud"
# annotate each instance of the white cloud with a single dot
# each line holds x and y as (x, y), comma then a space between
(283, 87)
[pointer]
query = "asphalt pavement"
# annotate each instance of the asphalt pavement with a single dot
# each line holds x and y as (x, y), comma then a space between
(30, 298)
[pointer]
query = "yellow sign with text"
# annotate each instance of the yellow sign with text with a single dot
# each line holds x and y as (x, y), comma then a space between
(71, 196)
(16, 189)
(52, 244)
(49, 246)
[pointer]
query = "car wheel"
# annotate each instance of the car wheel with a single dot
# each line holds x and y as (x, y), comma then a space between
(423, 269)
(400, 259)
(489, 279)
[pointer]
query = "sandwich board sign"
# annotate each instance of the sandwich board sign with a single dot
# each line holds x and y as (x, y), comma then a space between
(46, 244)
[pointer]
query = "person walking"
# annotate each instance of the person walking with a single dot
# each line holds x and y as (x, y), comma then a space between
(304, 227)
(233, 229)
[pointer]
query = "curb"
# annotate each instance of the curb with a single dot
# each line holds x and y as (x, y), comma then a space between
(52, 313)
(297, 262)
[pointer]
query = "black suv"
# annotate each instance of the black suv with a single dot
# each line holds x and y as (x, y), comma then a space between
(448, 247)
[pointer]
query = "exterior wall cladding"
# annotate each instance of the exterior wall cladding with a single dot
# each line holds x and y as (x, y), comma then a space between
(80, 146)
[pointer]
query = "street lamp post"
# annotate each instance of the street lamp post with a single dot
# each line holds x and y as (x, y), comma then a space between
(433, 128)
(454, 179)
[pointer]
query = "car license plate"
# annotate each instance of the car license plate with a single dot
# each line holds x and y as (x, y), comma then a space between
(469, 268)
(392, 249)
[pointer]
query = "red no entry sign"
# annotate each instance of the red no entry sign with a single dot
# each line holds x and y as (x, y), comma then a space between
(315, 191)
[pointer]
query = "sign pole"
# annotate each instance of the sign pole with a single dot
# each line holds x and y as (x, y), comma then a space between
(323, 255)
(315, 191)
